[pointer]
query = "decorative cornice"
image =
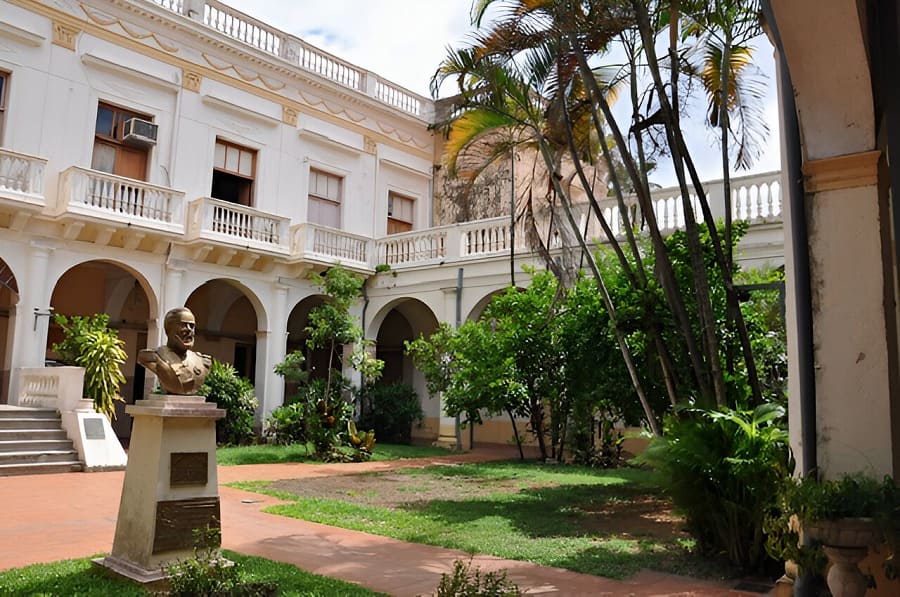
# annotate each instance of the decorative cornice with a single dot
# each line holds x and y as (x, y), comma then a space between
(370, 145)
(841, 172)
(65, 35)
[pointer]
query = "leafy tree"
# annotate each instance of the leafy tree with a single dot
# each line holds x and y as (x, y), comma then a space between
(89, 342)
(536, 73)
(321, 409)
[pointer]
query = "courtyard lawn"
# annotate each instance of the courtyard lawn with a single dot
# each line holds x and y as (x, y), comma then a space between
(609, 523)
(271, 453)
(80, 577)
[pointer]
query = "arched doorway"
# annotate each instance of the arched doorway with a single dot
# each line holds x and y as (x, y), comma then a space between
(316, 360)
(9, 296)
(105, 287)
(400, 321)
(227, 323)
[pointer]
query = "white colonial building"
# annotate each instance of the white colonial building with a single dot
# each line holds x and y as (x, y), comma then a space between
(155, 154)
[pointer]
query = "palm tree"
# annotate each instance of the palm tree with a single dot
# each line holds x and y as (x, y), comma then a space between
(722, 59)
(524, 97)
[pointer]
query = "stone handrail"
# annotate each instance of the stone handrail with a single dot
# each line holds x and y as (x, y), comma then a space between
(243, 27)
(320, 243)
(417, 247)
(456, 241)
(754, 197)
(125, 200)
(236, 224)
(50, 387)
(22, 176)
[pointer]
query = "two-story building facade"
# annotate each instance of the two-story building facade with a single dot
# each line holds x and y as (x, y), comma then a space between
(161, 153)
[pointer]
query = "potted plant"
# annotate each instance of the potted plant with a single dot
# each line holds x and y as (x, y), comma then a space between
(90, 343)
(846, 516)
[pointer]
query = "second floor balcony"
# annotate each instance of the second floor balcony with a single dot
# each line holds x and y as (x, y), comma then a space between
(232, 234)
(116, 200)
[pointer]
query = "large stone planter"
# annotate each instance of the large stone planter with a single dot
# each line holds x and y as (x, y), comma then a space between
(846, 542)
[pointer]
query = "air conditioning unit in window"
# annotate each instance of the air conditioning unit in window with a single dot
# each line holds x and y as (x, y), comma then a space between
(140, 132)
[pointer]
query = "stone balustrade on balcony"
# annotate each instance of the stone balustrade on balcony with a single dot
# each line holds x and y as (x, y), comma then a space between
(323, 245)
(268, 39)
(119, 200)
(21, 178)
(237, 226)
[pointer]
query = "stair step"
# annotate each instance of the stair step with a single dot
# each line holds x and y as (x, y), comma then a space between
(38, 468)
(32, 434)
(34, 445)
(21, 412)
(30, 423)
(39, 456)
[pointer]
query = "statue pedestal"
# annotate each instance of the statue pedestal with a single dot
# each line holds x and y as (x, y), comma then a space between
(171, 485)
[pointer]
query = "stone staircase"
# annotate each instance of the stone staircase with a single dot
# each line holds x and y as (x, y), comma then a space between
(32, 441)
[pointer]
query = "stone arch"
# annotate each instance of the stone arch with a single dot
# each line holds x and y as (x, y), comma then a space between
(123, 293)
(400, 320)
(229, 315)
(9, 297)
(316, 360)
(478, 309)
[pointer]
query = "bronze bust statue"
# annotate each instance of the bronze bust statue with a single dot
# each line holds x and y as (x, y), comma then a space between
(179, 369)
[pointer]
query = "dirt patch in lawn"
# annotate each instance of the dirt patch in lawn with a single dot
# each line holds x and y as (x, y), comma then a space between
(617, 511)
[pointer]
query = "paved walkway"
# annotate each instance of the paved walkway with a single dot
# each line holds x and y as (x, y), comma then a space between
(53, 517)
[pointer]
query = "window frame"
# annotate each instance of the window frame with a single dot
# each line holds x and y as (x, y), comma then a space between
(116, 140)
(250, 179)
(5, 77)
(399, 220)
(335, 202)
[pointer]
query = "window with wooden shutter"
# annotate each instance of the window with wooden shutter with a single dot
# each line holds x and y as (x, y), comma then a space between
(400, 213)
(324, 199)
(234, 172)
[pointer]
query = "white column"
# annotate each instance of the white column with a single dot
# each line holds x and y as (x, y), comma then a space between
(447, 424)
(271, 392)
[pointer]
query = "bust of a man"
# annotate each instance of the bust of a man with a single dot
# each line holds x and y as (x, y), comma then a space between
(179, 369)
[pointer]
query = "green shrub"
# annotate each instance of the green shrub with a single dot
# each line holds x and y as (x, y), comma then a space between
(469, 581)
(235, 394)
(89, 342)
(391, 410)
(314, 417)
(285, 424)
(723, 469)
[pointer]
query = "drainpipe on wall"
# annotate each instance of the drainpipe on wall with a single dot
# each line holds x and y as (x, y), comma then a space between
(802, 286)
(459, 289)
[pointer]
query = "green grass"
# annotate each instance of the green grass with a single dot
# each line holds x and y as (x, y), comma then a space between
(270, 453)
(549, 523)
(80, 577)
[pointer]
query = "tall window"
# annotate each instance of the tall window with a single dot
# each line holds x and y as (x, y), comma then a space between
(234, 170)
(4, 86)
(111, 153)
(324, 201)
(400, 213)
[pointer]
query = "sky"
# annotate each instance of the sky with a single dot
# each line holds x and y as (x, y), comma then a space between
(404, 41)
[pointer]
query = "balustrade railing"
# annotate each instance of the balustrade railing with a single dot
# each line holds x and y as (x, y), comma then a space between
(237, 225)
(754, 197)
(310, 241)
(89, 192)
(457, 241)
(421, 246)
(60, 388)
(22, 176)
(240, 26)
